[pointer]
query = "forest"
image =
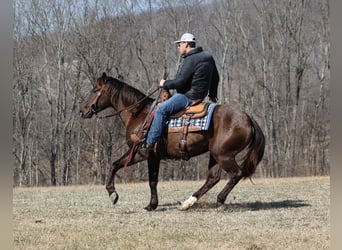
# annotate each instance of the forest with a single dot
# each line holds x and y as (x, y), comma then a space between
(272, 56)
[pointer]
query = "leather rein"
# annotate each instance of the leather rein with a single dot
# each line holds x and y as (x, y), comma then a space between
(99, 93)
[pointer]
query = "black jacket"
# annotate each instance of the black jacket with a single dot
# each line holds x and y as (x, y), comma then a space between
(197, 76)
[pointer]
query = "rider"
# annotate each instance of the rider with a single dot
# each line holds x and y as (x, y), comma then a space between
(197, 76)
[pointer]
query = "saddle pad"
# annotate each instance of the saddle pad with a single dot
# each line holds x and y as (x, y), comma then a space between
(196, 124)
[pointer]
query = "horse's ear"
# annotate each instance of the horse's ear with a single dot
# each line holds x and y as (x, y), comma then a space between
(104, 75)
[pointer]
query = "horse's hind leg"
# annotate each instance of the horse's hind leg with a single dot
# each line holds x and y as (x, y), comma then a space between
(234, 179)
(213, 178)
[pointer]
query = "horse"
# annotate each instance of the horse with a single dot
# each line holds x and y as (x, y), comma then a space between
(231, 131)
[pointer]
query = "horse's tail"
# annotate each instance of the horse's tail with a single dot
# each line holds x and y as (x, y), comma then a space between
(255, 150)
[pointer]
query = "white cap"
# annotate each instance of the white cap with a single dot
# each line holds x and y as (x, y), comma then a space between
(186, 37)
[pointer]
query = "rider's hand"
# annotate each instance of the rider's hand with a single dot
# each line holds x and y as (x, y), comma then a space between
(213, 98)
(161, 83)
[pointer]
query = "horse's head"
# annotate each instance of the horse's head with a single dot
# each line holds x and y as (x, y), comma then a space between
(98, 99)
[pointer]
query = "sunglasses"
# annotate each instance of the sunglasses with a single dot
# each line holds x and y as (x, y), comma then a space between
(179, 44)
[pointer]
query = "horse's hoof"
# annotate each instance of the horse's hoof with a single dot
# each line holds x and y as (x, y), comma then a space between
(187, 204)
(150, 208)
(114, 197)
(220, 207)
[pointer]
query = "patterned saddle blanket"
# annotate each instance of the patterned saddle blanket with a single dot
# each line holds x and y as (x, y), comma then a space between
(198, 116)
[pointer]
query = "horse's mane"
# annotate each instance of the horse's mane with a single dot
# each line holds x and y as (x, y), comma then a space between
(128, 94)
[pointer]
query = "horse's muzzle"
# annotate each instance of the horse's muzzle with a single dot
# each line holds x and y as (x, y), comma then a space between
(87, 114)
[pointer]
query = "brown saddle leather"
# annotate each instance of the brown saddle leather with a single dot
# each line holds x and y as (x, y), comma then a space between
(195, 110)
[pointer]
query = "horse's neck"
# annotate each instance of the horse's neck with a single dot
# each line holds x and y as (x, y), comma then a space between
(128, 115)
(126, 118)
(125, 114)
(129, 112)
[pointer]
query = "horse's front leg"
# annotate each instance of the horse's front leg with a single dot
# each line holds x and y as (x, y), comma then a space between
(153, 172)
(117, 165)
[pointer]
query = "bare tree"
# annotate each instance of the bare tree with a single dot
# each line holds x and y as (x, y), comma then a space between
(273, 60)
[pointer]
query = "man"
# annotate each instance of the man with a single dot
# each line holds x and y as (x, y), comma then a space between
(197, 77)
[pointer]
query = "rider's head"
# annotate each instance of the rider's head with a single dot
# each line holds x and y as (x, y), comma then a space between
(186, 43)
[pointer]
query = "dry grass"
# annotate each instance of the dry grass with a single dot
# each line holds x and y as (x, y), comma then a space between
(271, 214)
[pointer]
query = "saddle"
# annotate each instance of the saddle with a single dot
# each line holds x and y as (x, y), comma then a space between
(196, 110)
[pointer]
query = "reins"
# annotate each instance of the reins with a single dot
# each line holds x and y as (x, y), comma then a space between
(144, 126)
(129, 107)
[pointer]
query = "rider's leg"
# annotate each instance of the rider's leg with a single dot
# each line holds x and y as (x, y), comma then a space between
(171, 106)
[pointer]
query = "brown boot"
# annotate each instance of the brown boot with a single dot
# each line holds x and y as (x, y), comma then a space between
(146, 149)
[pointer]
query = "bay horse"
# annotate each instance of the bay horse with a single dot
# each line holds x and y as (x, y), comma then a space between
(230, 132)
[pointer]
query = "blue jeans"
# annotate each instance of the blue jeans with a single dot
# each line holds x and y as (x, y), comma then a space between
(171, 106)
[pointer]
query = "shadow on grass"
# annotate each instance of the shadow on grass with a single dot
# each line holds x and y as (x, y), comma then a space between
(258, 205)
(240, 207)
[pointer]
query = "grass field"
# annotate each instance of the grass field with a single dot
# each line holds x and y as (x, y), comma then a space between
(269, 214)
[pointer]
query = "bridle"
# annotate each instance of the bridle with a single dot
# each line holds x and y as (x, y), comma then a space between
(93, 105)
